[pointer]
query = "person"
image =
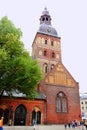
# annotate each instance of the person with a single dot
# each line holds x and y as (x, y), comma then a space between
(1, 123)
(86, 124)
(73, 124)
(69, 124)
(82, 124)
(65, 125)
(34, 123)
(10, 122)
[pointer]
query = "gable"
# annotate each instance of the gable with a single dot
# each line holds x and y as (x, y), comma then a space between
(59, 75)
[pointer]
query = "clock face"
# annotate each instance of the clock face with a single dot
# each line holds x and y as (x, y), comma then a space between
(48, 30)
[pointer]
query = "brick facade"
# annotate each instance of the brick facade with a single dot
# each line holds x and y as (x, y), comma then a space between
(12, 104)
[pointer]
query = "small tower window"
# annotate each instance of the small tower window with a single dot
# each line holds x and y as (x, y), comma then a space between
(46, 19)
(52, 43)
(45, 53)
(43, 19)
(45, 41)
(45, 68)
(53, 55)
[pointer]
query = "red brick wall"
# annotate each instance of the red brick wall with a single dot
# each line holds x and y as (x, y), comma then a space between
(48, 109)
(73, 104)
(29, 105)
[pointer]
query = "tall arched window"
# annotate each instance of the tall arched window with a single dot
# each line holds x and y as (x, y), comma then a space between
(45, 68)
(53, 55)
(52, 43)
(45, 53)
(20, 115)
(36, 115)
(45, 41)
(61, 102)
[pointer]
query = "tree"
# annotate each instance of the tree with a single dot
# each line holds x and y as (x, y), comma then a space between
(18, 71)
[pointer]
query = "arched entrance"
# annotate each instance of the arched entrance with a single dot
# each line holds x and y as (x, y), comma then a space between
(36, 115)
(20, 115)
(6, 116)
(4, 111)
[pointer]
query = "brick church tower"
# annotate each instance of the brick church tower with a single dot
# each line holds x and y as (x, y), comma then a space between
(59, 87)
(46, 47)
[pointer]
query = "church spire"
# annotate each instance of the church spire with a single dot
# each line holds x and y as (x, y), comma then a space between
(45, 17)
(45, 24)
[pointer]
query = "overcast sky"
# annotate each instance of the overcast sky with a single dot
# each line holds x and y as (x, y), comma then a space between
(69, 18)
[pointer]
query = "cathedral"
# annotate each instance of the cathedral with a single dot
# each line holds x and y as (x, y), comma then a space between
(58, 100)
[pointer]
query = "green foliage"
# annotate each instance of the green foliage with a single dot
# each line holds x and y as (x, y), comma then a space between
(18, 72)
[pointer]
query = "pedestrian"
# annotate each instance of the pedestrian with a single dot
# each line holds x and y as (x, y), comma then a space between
(1, 123)
(69, 124)
(65, 125)
(73, 124)
(34, 123)
(86, 124)
(10, 122)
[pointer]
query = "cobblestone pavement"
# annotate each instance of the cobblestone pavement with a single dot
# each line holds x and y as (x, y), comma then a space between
(42, 127)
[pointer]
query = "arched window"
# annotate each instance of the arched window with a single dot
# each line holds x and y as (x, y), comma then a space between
(53, 55)
(52, 43)
(45, 53)
(20, 115)
(61, 102)
(45, 41)
(46, 19)
(52, 66)
(43, 19)
(36, 115)
(45, 68)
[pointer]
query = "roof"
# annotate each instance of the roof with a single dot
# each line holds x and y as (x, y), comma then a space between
(45, 24)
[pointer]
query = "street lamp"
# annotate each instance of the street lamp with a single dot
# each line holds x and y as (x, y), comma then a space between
(10, 116)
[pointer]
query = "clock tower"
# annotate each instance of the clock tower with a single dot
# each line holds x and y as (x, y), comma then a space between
(46, 47)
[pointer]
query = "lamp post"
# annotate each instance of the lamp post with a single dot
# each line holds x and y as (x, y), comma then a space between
(11, 116)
